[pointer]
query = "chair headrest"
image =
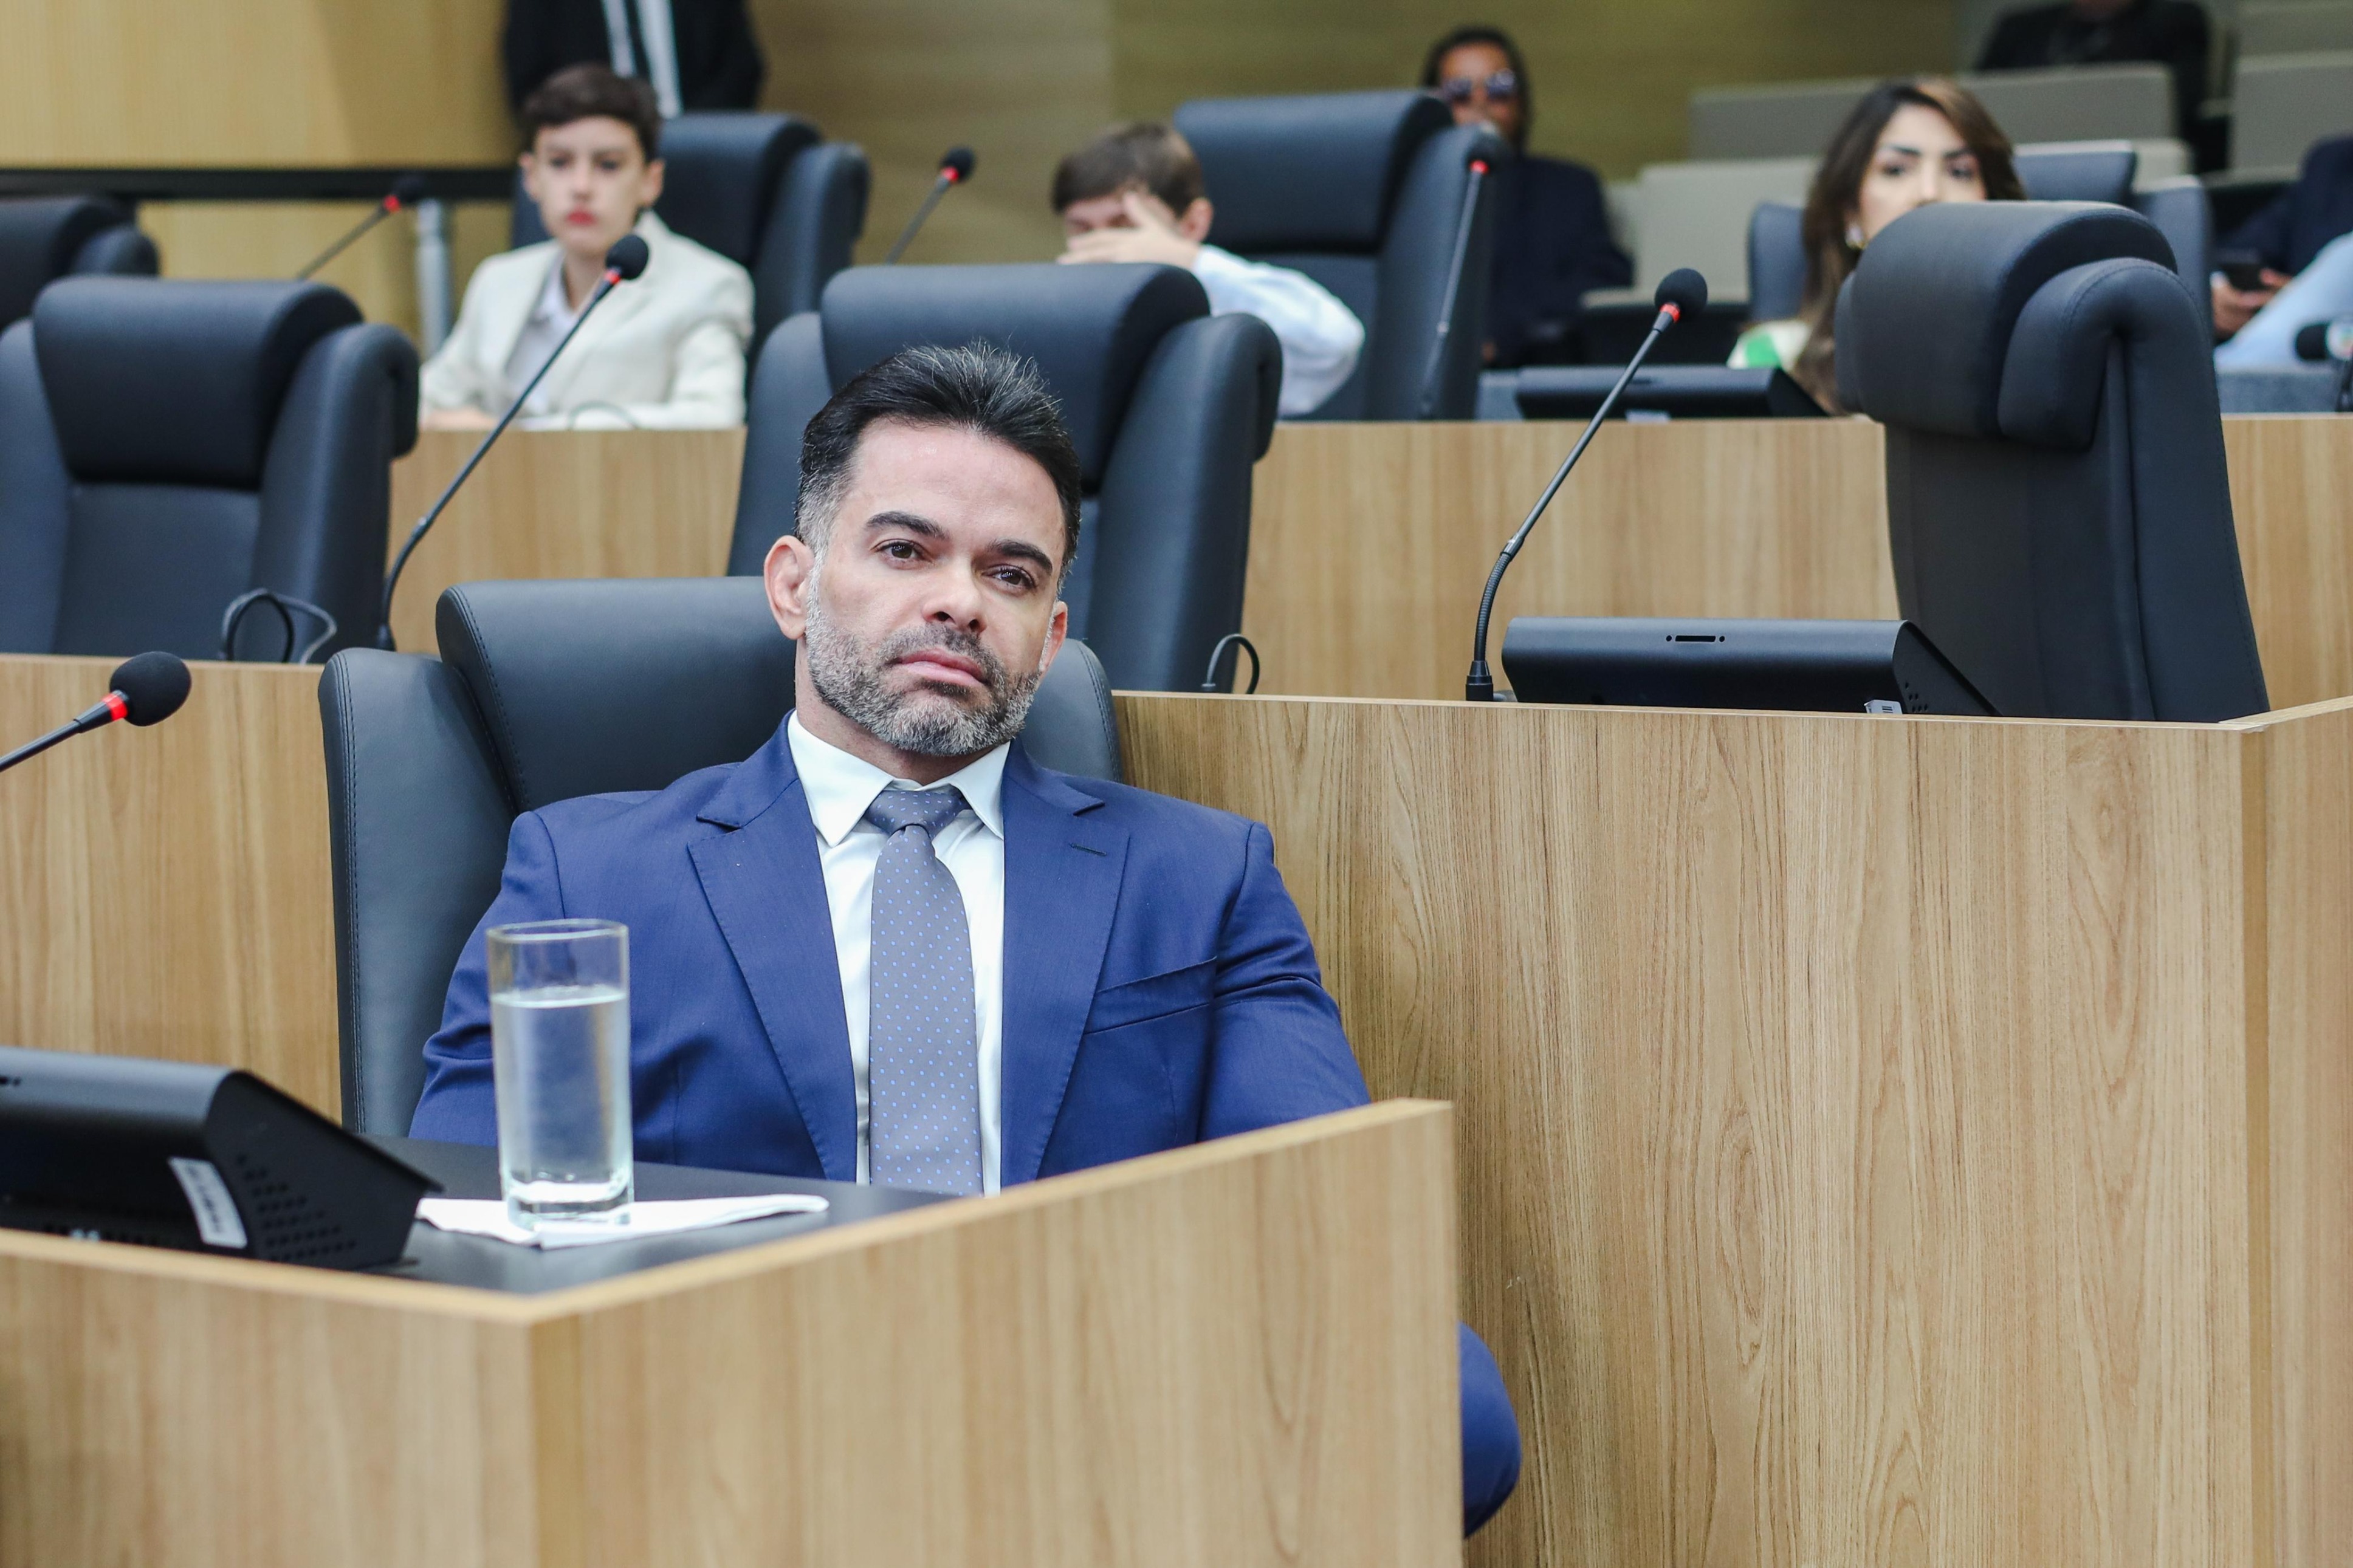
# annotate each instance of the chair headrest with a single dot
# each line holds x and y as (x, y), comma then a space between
(174, 380)
(2078, 171)
(39, 237)
(1090, 330)
(722, 174)
(1317, 172)
(1924, 324)
(592, 687)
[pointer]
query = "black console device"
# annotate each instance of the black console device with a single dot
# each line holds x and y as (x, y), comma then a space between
(208, 1159)
(1821, 667)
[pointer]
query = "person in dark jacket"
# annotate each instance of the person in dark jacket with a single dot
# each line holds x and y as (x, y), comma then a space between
(2290, 231)
(695, 54)
(2169, 33)
(1551, 228)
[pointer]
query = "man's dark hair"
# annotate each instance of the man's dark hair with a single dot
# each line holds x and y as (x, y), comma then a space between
(979, 387)
(589, 92)
(1494, 38)
(1142, 155)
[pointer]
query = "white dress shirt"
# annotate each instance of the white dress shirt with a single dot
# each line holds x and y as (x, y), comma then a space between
(1321, 337)
(542, 331)
(839, 788)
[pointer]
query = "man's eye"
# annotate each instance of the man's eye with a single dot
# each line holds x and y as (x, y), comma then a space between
(900, 550)
(1014, 577)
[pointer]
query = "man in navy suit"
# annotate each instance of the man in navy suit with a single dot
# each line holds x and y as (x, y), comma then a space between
(888, 946)
(2288, 234)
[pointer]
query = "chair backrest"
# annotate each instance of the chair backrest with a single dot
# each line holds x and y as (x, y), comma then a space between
(2057, 509)
(763, 190)
(1363, 192)
(1168, 407)
(167, 446)
(1777, 261)
(544, 691)
(2066, 103)
(44, 238)
(2306, 26)
(2282, 104)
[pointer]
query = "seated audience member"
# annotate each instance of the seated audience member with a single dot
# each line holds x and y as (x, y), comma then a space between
(1906, 144)
(1552, 226)
(2307, 267)
(2169, 33)
(1036, 973)
(694, 54)
(1135, 194)
(667, 350)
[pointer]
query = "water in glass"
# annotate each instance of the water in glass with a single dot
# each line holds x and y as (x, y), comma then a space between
(559, 1051)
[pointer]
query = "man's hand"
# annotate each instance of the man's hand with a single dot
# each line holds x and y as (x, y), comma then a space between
(455, 419)
(2233, 308)
(1151, 236)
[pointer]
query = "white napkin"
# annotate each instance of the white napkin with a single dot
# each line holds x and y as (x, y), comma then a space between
(658, 1216)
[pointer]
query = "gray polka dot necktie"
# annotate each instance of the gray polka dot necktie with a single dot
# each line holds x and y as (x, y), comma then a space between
(922, 1069)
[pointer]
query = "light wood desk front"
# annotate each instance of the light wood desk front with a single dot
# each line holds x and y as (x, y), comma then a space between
(1241, 1353)
(1369, 543)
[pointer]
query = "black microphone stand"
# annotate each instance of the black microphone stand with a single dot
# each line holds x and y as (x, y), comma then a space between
(1479, 686)
(97, 718)
(1426, 407)
(605, 286)
(944, 181)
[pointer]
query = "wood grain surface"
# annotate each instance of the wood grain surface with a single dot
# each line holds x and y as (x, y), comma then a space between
(563, 504)
(1240, 1353)
(1873, 1132)
(2291, 494)
(164, 891)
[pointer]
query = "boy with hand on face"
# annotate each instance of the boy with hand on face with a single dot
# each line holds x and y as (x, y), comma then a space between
(665, 351)
(1135, 194)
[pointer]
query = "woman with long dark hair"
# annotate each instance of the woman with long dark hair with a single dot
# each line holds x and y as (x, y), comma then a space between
(1906, 144)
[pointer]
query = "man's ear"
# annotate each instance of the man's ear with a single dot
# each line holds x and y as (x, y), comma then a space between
(790, 573)
(529, 164)
(1057, 630)
(1194, 224)
(650, 184)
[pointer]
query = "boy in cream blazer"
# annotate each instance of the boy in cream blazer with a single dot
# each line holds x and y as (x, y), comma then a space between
(665, 351)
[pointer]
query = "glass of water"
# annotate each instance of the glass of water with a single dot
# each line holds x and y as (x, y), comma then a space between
(560, 1056)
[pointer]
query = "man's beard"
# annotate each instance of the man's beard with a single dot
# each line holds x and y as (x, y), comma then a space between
(853, 680)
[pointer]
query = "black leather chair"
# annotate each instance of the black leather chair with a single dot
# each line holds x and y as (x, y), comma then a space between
(1364, 193)
(166, 447)
(544, 691)
(764, 190)
(2057, 172)
(2057, 504)
(44, 238)
(1168, 407)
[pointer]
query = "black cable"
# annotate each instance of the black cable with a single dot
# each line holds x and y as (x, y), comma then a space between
(1236, 639)
(285, 605)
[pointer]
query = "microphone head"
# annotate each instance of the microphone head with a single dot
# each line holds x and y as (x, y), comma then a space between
(407, 192)
(628, 257)
(956, 163)
(153, 685)
(1683, 289)
(2312, 341)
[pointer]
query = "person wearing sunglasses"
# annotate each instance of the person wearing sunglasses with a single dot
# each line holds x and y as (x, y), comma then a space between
(1551, 228)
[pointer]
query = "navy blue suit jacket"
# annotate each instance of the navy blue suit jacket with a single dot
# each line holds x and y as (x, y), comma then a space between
(1159, 989)
(2292, 229)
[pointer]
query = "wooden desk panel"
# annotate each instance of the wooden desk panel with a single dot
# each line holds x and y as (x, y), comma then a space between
(1238, 1352)
(1884, 1140)
(165, 891)
(569, 503)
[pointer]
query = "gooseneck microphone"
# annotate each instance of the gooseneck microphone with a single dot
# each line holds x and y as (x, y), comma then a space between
(623, 262)
(407, 192)
(955, 168)
(146, 689)
(1681, 292)
(1426, 406)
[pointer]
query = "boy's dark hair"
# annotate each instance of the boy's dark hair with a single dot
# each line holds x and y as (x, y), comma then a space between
(1140, 152)
(979, 387)
(593, 92)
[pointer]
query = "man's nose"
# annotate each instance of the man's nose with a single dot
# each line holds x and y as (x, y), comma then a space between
(955, 598)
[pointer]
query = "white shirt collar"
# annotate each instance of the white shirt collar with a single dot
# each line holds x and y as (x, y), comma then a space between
(839, 787)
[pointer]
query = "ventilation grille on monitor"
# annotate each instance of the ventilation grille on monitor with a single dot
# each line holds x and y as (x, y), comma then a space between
(283, 1224)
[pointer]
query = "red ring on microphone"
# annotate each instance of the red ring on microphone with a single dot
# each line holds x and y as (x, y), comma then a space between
(117, 707)
(1478, 165)
(1674, 312)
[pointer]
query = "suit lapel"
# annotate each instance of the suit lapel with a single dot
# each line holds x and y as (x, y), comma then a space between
(624, 302)
(767, 890)
(1062, 871)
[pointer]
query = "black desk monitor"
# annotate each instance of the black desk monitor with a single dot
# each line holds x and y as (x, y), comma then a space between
(1823, 667)
(1675, 391)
